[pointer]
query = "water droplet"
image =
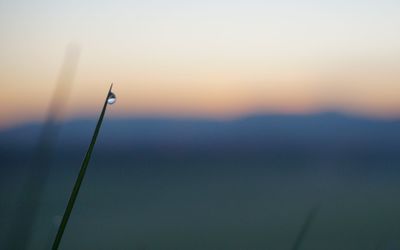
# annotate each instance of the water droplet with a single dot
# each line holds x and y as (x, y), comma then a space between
(111, 98)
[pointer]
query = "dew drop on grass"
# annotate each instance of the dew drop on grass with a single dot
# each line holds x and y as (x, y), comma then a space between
(111, 98)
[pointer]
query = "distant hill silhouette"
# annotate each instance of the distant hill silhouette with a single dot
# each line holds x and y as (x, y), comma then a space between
(319, 135)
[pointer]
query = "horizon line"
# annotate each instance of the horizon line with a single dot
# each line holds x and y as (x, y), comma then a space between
(78, 117)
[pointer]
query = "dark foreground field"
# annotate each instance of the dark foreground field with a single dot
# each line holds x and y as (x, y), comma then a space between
(196, 184)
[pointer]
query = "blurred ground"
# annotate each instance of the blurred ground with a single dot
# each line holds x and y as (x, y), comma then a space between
(188, 193)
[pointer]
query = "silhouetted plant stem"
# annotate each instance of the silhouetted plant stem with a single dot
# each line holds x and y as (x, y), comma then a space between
(81, 175)
(305, 228)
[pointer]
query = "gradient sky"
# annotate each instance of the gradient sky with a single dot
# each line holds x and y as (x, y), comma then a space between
(202, 58)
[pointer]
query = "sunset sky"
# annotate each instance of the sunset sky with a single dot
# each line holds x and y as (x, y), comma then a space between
(215, 58)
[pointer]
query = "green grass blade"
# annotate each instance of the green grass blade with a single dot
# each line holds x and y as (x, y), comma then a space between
(80, 177)
(305, 228)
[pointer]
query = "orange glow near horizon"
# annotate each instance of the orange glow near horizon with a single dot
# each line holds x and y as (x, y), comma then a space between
(217, 59)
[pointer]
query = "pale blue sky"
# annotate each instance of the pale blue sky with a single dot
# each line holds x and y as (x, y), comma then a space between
(204, 58)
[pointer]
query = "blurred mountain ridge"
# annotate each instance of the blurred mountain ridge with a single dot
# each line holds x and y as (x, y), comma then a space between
(257, 136)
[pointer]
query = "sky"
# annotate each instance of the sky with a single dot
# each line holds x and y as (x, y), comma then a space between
(218, 59)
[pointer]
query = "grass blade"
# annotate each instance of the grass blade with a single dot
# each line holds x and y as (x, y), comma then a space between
(31, 194)
(305, 228)
(80, 177)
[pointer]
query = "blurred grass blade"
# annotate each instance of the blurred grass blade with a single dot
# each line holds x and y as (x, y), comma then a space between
(81, 175)
(305, 228)
(21, 228)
